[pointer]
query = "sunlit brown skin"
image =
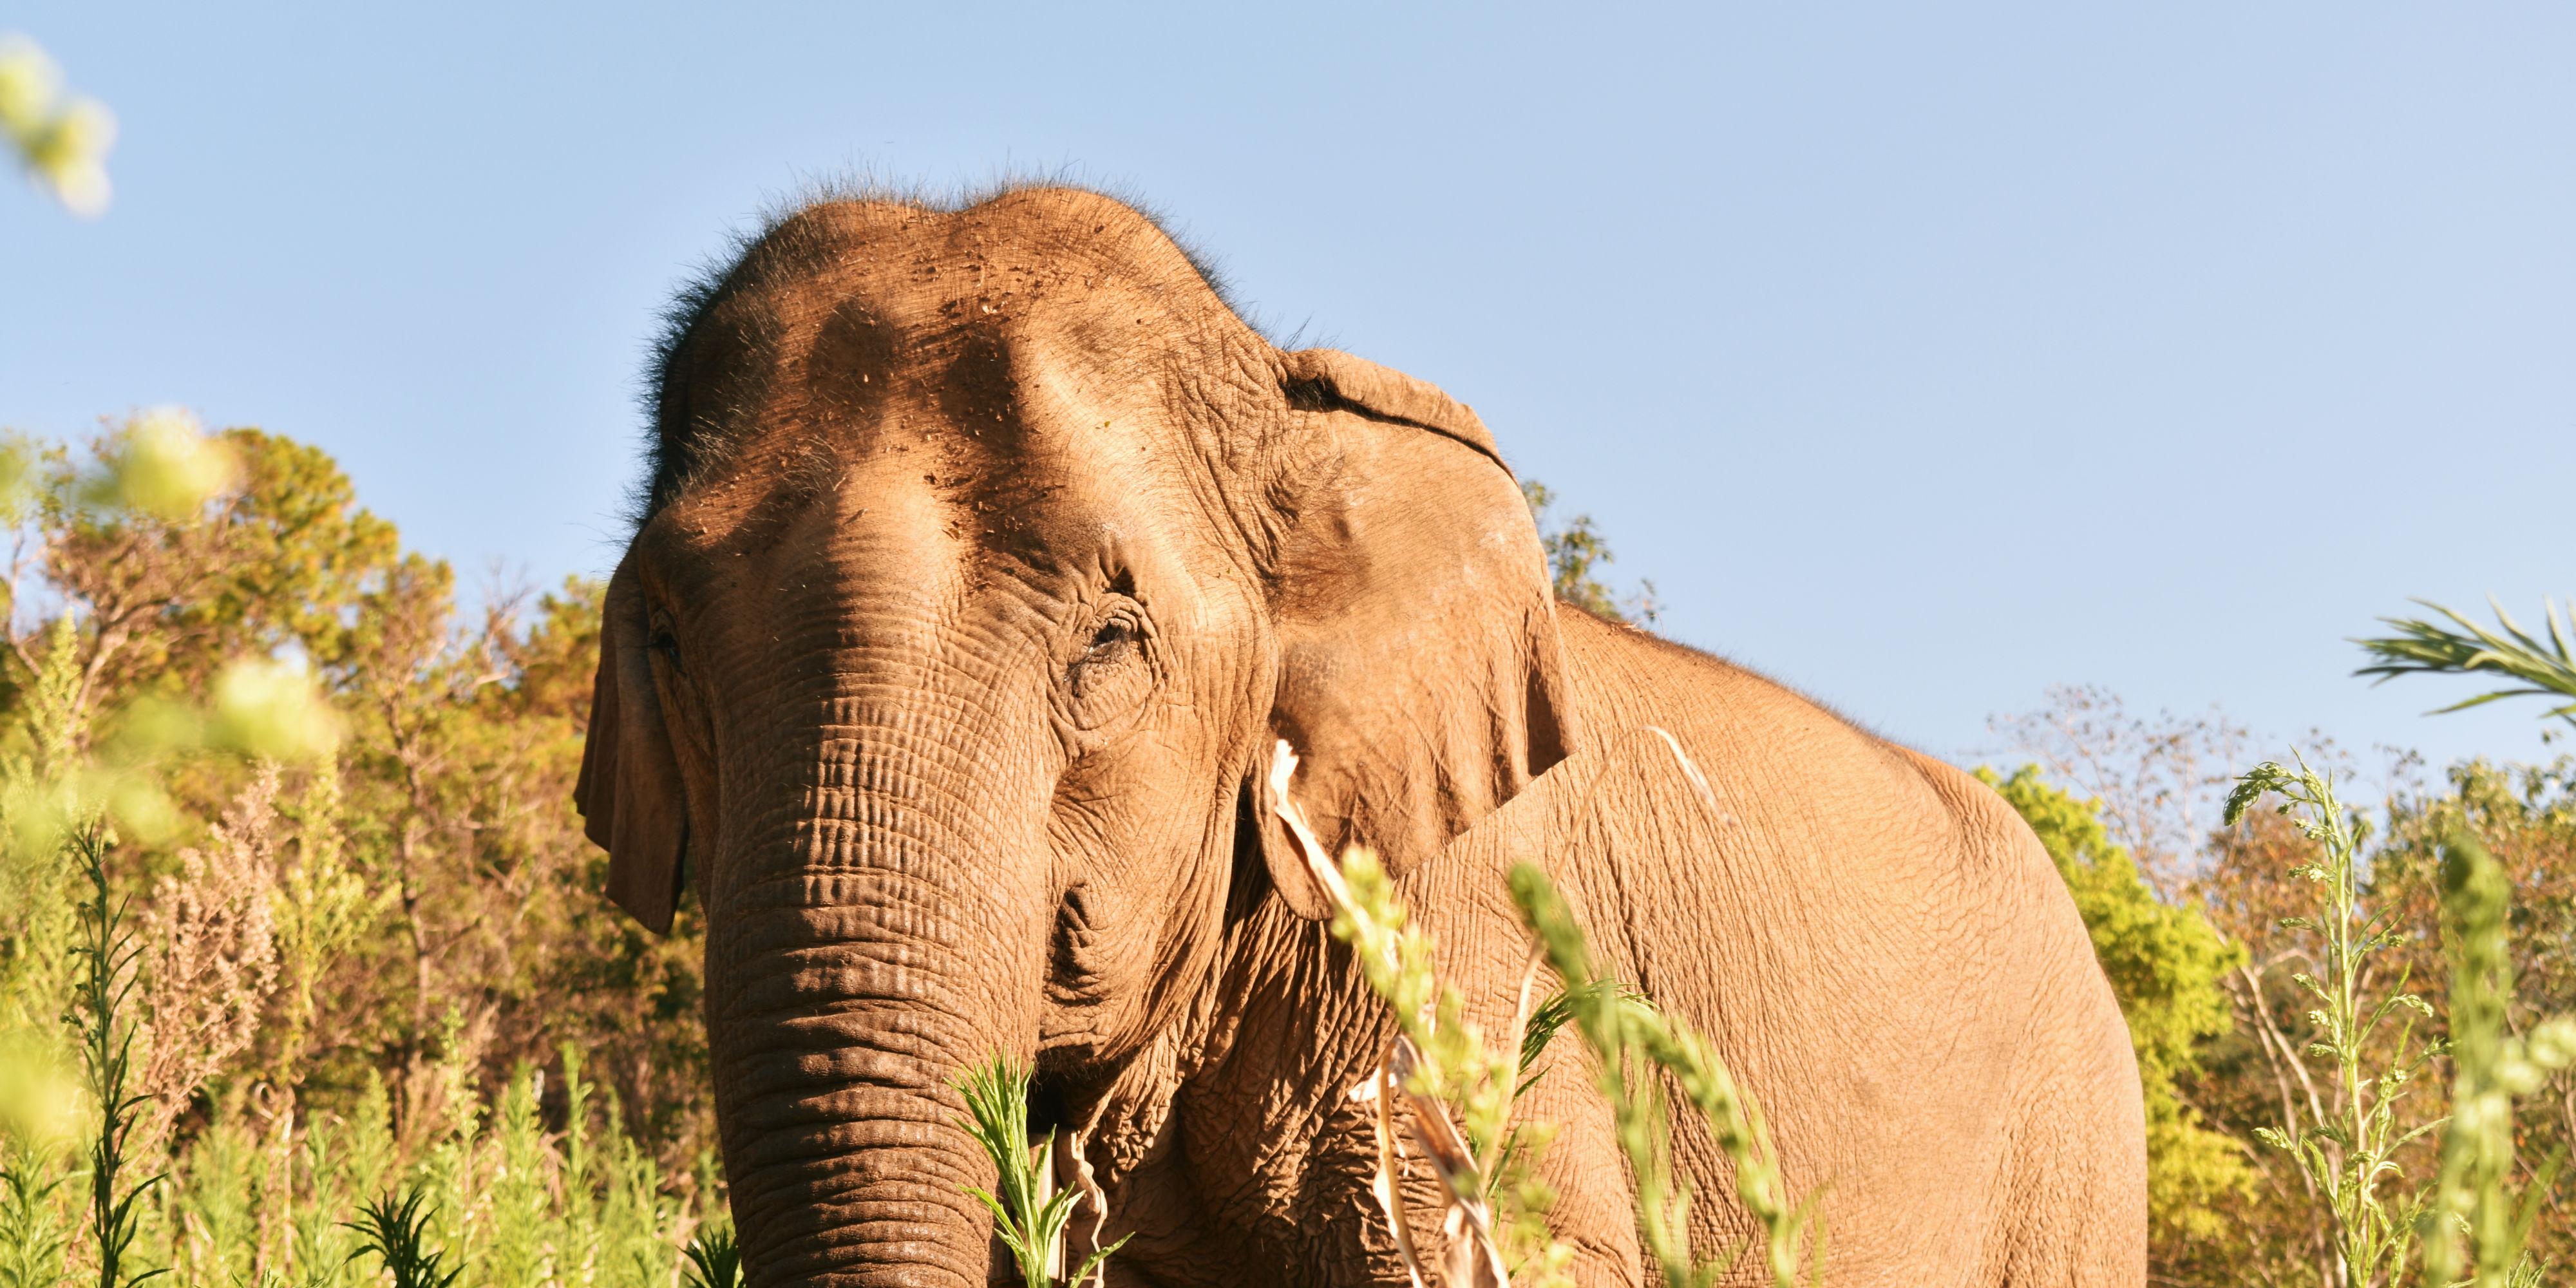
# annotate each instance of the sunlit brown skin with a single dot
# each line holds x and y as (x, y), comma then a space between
(993, 556)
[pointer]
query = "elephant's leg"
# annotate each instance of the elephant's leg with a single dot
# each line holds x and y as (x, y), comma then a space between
(1596, 1211)
(2072, 1210)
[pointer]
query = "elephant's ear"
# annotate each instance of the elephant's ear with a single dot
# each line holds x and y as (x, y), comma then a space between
(1421, 679)
(629, 793)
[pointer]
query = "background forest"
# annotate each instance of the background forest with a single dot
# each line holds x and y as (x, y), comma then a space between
(372, 952)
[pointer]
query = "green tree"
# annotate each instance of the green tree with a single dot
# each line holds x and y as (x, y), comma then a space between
(2164, 963)
(304, 552)
(1574, 549)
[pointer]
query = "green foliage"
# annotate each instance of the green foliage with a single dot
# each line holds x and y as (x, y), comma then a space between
(37, 910)
(217, 1203)
(715, 1260)
(397, 1232)
(1628, 1037)
(184, 605)
(1495, 1222)
(2348, 1153)
(1574, 550)
(306, 556)
(2546, 668)
(520, 1202)
(1029, 1219)
(1494, 1218)
(334, 1158)
(1546, 1020)
(33, 1237)
(2165, 964)
(1453, 1064)
(1439, 1063)
(517, 1206)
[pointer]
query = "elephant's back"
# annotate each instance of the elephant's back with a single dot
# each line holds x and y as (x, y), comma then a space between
(1801, 792)
(1870, 937)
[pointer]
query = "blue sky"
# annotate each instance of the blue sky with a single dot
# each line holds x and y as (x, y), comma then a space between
(1923, 356)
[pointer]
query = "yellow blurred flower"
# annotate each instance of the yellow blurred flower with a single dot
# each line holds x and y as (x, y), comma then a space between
(39, 1098)
(28, 83)
(272, 710)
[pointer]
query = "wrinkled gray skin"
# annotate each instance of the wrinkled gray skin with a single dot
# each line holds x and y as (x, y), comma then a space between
(987, 555)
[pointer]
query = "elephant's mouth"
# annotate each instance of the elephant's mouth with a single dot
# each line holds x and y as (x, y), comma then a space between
(1047, 1107)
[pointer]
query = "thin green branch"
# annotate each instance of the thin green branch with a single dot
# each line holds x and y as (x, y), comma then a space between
(105, 982)
(1632, 1039)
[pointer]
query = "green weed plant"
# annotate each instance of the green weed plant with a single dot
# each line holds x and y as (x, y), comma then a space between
(2346, 1148)
(1486, 1161)
(33, 1235)
(715, 1260)
(397, 1235)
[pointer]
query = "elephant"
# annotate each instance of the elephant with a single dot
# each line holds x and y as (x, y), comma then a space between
(984, 556)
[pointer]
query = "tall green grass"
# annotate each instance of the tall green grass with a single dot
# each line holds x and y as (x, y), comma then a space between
(1632, 1042)
(2476, 1224)
(507, 1192)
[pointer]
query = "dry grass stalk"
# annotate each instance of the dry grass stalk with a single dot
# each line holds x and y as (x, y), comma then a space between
(213, 957)
(1472, 1257)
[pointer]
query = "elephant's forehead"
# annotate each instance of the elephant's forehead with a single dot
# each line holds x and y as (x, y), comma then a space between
(1027, 256)
(989, 356)
(849, 312)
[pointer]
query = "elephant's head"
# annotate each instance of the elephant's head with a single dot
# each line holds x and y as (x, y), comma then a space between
(984, 556)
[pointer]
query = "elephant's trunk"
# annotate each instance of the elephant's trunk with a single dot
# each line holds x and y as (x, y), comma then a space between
(883, 932)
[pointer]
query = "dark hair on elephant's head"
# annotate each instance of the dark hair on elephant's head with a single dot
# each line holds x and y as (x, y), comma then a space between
(1328, 495)
(675, 452)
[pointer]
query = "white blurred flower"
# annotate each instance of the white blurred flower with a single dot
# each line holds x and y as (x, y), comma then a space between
(166, 466)
(74, 158)
(63, 138)
(2553, 1042)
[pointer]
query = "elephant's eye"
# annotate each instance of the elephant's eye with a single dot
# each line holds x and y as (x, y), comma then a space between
(666, 644)
(1110, 642)
(1111, 673)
